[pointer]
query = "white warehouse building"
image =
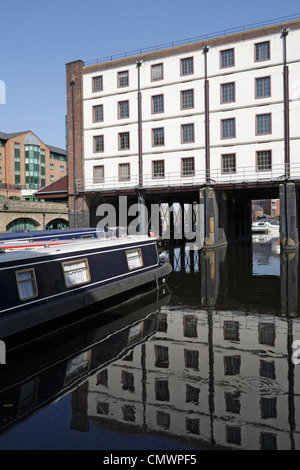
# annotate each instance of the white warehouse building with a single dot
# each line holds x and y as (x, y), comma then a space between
(224, 109)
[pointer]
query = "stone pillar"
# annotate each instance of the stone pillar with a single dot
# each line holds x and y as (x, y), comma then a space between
(214, 217)
(289, 281)
(289, 218)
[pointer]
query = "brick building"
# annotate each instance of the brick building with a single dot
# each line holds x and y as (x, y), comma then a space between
(27, 165)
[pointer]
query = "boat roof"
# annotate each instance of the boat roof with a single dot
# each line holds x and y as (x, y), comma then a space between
(43, 234)
(33, 253)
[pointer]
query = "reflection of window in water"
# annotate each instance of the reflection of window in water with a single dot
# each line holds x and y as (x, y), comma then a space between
(231, 330)
(232, 402)
(191, 359)
(267, 369)
(128, 413)
(163, 419)
(192, 394)
(232, 365)
(162, 356)
(268, 407)
(233, 434)
(268, 441)
(102, 408)
(102, 378)
(266, 333)
(162, 390)
(192, 425)
(127, 380)
(190, 327)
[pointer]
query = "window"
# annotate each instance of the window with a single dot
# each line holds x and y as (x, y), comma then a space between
(228, 92)
(123, 109)
(232, 365)
(187, 66)
(124, 141)
(157, 104)
(162, 356)
(158, 169)
(27, 286)
(262, 51)
(266, 333)
(190, 327)
(262, 87)
(263, 160)
(123, 79)
(98, 143)
(124, 172)
(227, 58)
(158, 136)
(228, 128)
(157, 72)
(76, 272)
(188, 166)
(229, 163)
(263, 124)
(97, 83)
(98, 174)
(162, 390)
(51, 166)
(51, 177)
(191, 359)
(134, 259)
(231, 330)
(187, 99)
(98, 113)
(61, 168)
(17, 164)
(187, 133)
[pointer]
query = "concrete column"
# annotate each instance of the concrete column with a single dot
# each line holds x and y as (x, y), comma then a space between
(214, 217)
(289, 281)
(289, 218)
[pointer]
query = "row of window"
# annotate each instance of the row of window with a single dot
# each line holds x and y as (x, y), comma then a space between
(267, 440)
(76, 273)
(228, 165)
(187, 101)
(263, 126)
(227, 59)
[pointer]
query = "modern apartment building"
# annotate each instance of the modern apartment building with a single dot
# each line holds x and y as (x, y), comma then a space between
(27, 164)
(224, 109)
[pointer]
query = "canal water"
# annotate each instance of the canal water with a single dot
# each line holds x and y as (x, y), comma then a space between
(206, 364)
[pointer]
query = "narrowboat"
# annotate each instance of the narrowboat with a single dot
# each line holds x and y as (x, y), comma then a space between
(27, 238)
(41, 283)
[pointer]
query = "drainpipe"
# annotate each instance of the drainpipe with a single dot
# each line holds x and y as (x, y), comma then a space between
(286, 131)
(73, 131)
(206, 101)
(141, 196)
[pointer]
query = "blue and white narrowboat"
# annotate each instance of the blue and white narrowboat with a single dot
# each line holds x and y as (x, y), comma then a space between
(41, 283)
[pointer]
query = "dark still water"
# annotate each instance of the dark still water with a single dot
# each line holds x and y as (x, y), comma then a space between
(208, 364)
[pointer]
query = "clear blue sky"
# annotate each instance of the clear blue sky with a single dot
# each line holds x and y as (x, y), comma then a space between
(37, 39)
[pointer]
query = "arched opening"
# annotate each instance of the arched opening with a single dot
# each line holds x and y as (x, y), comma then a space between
(22, 224)
(57, 224)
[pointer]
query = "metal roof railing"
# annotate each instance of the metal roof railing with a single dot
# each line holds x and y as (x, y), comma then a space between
(225, 32)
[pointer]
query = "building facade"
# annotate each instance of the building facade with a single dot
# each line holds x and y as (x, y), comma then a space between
(219, 110)
(27, 165)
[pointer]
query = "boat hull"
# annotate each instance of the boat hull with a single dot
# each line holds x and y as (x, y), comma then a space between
(108, 275)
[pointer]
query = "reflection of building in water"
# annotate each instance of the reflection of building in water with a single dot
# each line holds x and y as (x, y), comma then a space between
(223, 377)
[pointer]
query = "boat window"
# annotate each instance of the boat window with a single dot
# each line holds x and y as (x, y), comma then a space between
(134, 259)
(76, 272)
(27, 286)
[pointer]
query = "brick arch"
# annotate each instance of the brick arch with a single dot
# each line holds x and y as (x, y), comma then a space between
(31, 219)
